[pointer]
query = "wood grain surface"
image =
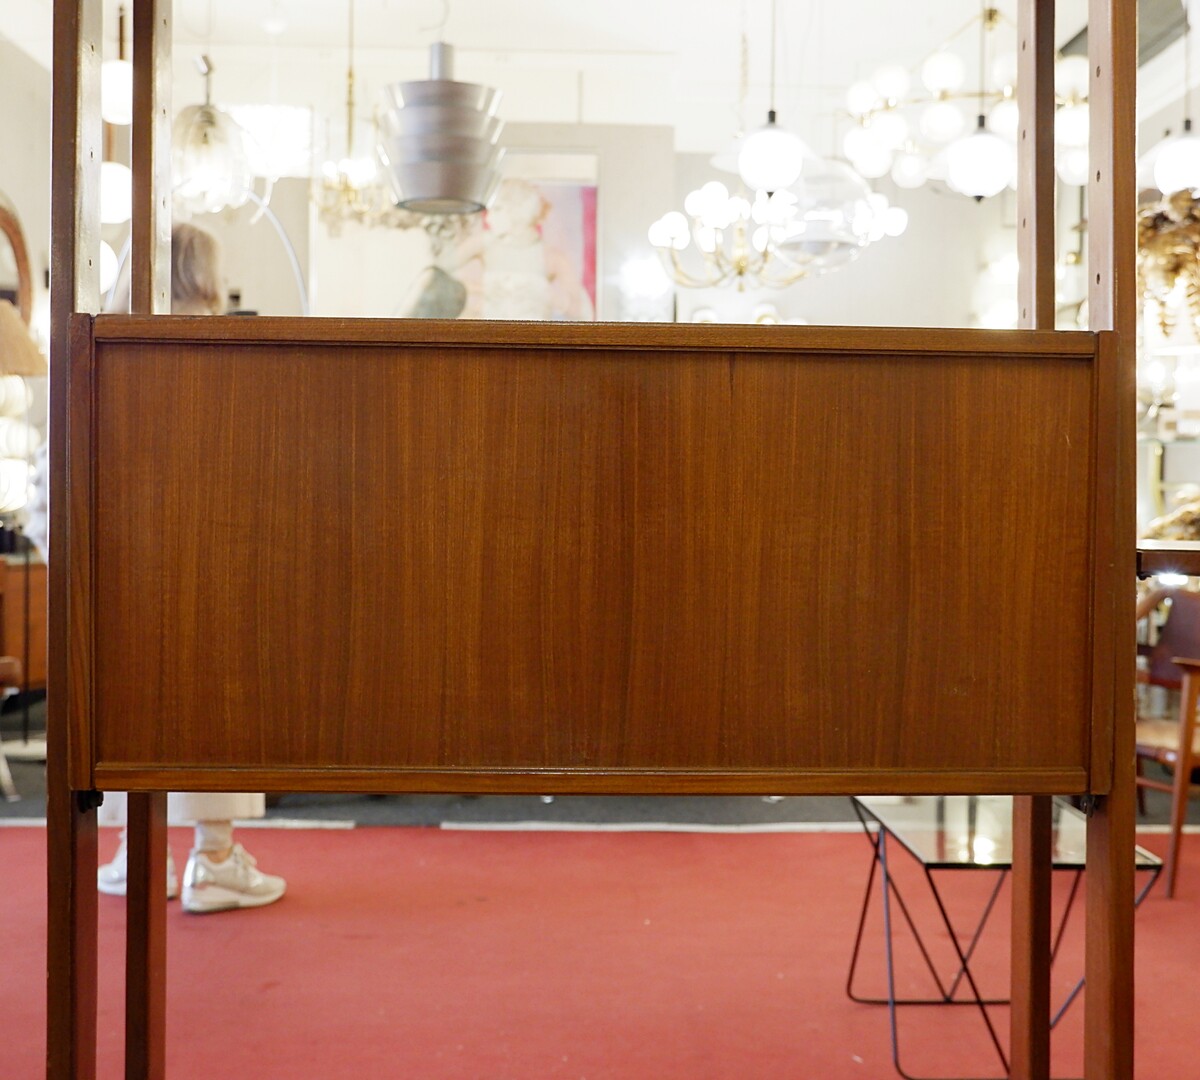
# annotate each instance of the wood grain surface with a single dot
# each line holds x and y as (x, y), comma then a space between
(674, 567)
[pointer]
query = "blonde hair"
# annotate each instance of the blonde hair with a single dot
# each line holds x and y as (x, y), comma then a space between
(196, 287)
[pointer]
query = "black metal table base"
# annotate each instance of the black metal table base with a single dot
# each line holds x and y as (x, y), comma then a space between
(948, 989)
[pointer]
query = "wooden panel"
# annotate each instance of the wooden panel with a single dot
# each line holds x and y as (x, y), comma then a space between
(650, 567)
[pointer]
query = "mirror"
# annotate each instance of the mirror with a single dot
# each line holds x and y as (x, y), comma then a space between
(16, 285)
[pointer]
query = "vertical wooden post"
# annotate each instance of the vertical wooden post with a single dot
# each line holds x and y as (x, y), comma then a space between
(1112, 305)
(146, 937)
(74, 286)
(150, 275)
(1031, 856)
(150, 294)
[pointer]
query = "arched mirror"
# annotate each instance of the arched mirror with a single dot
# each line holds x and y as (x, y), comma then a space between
(16, 285)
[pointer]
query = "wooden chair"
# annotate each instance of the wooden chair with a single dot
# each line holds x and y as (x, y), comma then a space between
(1172, 742)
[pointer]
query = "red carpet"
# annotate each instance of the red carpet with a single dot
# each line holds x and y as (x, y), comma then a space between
(434, 955)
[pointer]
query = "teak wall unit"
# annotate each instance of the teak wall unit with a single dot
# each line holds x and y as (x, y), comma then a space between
(402, 556)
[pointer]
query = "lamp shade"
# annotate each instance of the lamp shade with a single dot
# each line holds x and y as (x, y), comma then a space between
(439, 142)
(981, 165)
(771, 158)
(19, 354)
(210, 159)
(116, 92)
(1177, 163)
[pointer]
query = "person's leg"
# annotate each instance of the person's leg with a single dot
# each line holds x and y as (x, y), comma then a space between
(215, 839)
(112, 877)
(220, 874)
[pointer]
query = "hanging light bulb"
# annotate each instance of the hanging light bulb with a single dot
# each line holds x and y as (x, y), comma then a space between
(981, 165)
(116, 193)
(1177, 164)
(909, 170)
(772, 157)
(943, 73)
(116, 82)
(1177, 159)
(116, 92)
(942, 121)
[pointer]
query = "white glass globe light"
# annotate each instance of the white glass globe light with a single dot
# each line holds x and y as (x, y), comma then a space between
(1005, 119)
(1177, 167)
(14, 484)
(889, 128)
(772, 158)
(895, 221)
(981, 165)
(861, 98)
(1071, 125)
(909, 170)
(943, 73)
(1146, 163)
(116, 193)
(860, 142)
(1004, 70)
(891, 82)
(1072, 166)
(116, 92)
(109, 267)
(942, 121)
(1071, 77)
(874, 162)
(670, 231)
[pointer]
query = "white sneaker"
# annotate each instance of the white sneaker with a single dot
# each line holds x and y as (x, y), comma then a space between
(232, 883)
(112, 878)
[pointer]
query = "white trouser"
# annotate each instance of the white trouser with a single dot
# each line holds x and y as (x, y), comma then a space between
(188, 807)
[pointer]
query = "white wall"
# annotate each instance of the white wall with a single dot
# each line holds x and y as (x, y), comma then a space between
(254, 256)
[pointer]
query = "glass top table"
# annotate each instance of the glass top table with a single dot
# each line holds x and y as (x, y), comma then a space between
(963, 831)
(960, 832)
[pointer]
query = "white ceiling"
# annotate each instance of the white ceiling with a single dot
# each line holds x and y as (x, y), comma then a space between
(672, 62)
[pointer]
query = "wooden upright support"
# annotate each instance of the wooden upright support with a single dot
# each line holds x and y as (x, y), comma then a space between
(1031, 856)
(74, 286)
(1112, 305)
(150, 294)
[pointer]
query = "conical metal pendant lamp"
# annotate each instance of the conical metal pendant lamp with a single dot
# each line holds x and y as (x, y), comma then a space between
(439, 142)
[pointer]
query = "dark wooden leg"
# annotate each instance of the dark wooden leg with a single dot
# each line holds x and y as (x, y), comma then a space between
(146, 938)
(74, 286)
(1112, 305)
(1031, 861)
(71, 941)
(1184, 761)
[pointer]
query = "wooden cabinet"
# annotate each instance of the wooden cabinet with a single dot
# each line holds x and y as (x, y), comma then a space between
(15, 616)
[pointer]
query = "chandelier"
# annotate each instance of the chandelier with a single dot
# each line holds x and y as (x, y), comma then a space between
(348, 187)
(964, 138)
(774, 239)
(794, 215)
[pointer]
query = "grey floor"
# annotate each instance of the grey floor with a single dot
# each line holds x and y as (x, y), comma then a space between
(466, 809)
